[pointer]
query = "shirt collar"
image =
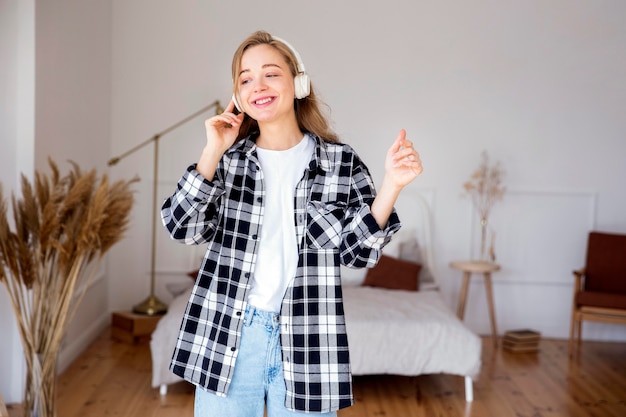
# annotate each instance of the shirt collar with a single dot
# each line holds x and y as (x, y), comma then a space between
(321, 160)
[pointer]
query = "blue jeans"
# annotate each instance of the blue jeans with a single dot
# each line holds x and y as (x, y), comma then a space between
(258, 380)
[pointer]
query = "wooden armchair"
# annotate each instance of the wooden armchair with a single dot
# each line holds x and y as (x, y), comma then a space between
(600, 287)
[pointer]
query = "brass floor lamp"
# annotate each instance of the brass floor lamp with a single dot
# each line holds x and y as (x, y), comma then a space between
(152, 305)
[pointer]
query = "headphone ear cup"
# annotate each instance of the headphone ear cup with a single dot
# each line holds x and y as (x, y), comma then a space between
(237, 106)
(302, 85)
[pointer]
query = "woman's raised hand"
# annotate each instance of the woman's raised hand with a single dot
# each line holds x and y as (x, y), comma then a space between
(222, 129)
(221, 133)
(402, 164)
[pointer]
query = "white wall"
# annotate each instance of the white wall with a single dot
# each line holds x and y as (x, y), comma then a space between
(17, 83)
(538, 84)
(57, 76)
(73, 106)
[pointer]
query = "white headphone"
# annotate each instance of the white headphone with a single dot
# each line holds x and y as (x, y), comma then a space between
(301, 82)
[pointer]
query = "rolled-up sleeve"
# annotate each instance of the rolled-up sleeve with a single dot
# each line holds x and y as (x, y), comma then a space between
(190, 214)
(363, 239)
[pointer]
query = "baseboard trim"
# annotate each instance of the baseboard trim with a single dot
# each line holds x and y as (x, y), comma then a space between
(78, 346)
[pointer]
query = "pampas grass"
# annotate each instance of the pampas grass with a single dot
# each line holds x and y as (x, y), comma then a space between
(62, 228)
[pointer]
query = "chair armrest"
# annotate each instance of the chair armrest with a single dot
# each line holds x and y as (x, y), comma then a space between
(578, 276)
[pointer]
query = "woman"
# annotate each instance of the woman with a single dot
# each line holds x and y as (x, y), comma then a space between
(281, 204)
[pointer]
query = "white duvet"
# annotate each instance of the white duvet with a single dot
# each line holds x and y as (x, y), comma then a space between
(407, 333)
(163, 340)
(389, 332)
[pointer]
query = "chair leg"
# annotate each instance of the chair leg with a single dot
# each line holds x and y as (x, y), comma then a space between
(572, 334)
(571, 341)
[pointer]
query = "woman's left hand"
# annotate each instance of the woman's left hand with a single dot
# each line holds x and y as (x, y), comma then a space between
(402, 163)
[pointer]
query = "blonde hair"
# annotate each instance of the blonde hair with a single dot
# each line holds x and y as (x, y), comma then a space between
(308, 109)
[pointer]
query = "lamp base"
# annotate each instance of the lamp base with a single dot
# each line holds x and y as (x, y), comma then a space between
(151, 306)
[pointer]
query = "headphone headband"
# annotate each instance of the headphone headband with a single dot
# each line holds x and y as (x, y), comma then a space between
(293, 50)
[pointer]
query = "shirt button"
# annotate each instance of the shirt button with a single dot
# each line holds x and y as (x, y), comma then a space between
(232, 349)
(247, 274)
(259, 199)
(255, 237)
(238, 313)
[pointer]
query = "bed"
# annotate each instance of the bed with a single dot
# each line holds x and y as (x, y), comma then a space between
(397, 321)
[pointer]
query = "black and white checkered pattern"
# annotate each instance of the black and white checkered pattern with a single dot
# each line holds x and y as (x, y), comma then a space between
(333, 225)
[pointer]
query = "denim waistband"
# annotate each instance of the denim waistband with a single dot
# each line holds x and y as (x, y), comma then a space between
(267, 318)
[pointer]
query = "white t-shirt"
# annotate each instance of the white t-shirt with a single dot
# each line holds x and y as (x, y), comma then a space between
(277, 258)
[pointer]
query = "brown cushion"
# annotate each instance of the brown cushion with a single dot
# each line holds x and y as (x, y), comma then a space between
(601, 299)
(605, 268)
(394, 274)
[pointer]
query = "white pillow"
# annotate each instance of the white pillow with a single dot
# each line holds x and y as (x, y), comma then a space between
(352, 276)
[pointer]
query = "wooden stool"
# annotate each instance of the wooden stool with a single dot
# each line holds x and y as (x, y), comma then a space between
(479, 267)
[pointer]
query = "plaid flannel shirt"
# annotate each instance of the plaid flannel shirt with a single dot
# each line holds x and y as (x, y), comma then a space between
(333, 225)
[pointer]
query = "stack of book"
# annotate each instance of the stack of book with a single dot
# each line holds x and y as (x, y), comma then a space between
(524, 340)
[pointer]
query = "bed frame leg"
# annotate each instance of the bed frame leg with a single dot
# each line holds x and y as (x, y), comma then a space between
(469, 389)
(163, 390)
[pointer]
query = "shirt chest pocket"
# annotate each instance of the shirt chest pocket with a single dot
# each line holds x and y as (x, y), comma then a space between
(324, 224)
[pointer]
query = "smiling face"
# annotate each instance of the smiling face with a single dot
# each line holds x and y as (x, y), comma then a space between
(265, 85)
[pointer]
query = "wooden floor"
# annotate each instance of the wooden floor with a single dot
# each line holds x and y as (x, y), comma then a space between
(113, 379)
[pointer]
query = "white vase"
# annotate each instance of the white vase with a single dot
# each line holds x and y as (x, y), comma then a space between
(483, 240)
